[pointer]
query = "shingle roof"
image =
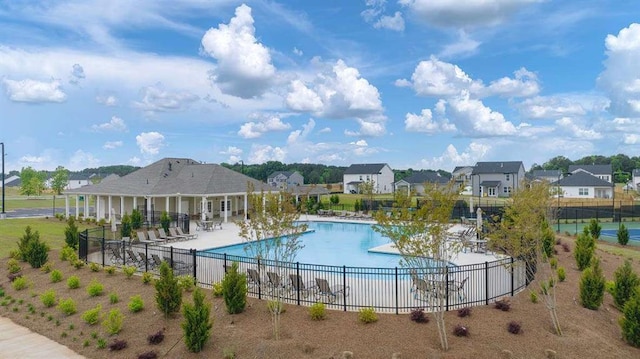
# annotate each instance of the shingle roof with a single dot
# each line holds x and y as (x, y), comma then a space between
(459, 168)
(546, 173)
(364, 168)
(285, 173)
(497, 167)
(595, 169)
(425, 176)
(582, 179)
(170, 176)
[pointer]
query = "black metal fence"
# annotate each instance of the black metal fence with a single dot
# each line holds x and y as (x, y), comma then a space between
(385, 289)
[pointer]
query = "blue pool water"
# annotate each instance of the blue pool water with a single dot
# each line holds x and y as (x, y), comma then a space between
(333, 243)
(634, 233)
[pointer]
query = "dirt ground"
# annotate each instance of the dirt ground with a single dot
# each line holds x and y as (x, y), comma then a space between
(587, 333)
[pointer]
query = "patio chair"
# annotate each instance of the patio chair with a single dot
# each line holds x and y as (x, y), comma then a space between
(458, 288)
(156, 260)
(116, 257)
(253, 278)
(179, 267)
(144, 259)
(215, 225)
(275, 284)
(331, 292)
(422, 290)
(142, 238)
(134, 260)
(188, 235)
(152, 237)
(297, 285)
(165, 236)
(177, 236)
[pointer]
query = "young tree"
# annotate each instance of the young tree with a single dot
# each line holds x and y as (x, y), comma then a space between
(421, 238)
(168, 292)
(592, 283)
(197, 322)
(623, 235)
(273, 217)
(595, 228)
(626, 282)
(125, 226)
(165, 221)
(136, 219)
(367, 189)
(585, 248)
(234, 290)
(59, 180)
(523, 233)
(32, 182)
(71, 235)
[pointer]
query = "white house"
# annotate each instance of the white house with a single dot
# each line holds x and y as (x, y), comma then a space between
(581, 184)
(497, 179)
(285, 179)
(547, 175)
(604, 172)
(417, 180)
(13, 181)
(462, 176)
(77, 180)
(379, 173)
(635, 180)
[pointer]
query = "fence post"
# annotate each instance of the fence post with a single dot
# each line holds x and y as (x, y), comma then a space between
(298, 284)
(194, 254)
(259, 281)
(102, 232)
(397, 293)
(512, 279)
(446, 288)
(486, 283)
(171, 256)
(124, 259)
(344, 286)
(102, 244)
(146, 262)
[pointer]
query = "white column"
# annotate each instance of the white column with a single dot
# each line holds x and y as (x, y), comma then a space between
(166, 204)
(203, 207)
(97, 207)
(77, 206)
(109, 206)
(149, 199)
(121, 206)
(66, 206)
(135, 203)
(179, 204)
(86, 205)
(245, 207)
(226, 210)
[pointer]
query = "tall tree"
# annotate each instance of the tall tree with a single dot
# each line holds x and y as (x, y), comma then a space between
(59, 180)
(421, 238)
(273, 238)
(32, 182)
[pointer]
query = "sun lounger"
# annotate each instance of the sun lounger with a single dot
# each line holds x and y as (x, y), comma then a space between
(187, 235)
(179, 267)
(275, 284)
(297, 285)
(142, 238)
(331, 292)
(175, 235)
(253, 278)
(167, 237)
(152, 237)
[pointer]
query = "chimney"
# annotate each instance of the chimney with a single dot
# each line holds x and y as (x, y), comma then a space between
(169, 166)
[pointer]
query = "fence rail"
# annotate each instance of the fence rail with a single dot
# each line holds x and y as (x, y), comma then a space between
(390, 290)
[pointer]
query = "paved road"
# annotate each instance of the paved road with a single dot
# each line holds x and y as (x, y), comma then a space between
(36, 212)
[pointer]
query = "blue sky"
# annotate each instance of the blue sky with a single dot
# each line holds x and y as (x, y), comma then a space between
(413, 83)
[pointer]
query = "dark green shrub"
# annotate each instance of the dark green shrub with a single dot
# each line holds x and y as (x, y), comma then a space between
(48, 298)
(548, 241)
(197, 322)
(24, 241)
(585, 247)
(71, 235)
(592, 286)
(234, 290)
(32, 250)
(125, 226)
(630, 321)
(367, 315)
(623, 235)
(626, 283)
(136, 219)
(165, 221)
(168, 293)
(594, 228)
(318, 311)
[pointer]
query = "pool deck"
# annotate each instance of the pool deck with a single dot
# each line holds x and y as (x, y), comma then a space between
(229, 235)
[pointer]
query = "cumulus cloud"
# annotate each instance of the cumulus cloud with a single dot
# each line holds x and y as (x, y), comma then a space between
(576, 130)
(300, 135)
(115, 124)
(551, 107)
(395, 22)
(34, 91)
(473, 118)
(631, 139)
(257, 129)
(157, 99)
(110, 145)
(302, 99)
(524, 84)
(107, 100)
(368, 129)
(424, 122)
(244, 65)
(264, 153)
(438, 78)
(451, 157)
(81, 160)
(361, 148)
(150, 143)
(234, 153)
(465, 14)
(297, 51)
(621, 78)
(464, 46)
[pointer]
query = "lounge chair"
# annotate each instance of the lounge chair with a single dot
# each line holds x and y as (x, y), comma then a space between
(175, 235)
(275, 284)
(156, 260)
(152, 237)
(253, 278)
(422, 290)
(150, 263)
(166, 237)
(188, 235)
(142, 238)
(116, 257)
(133, 259)
(458, 288)
(297, 285)
(179, 267)
(331, 292)
(215, 225)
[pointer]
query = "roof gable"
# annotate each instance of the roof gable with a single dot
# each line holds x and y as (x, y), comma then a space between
(425, 176)
(594, 169)
(497, 167)
(365, 168)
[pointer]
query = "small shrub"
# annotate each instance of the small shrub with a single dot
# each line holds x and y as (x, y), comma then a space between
(71, 234)
(136, 304)
(48, 298)
(623, 235)
(168, 293)
(147, 277)
(148, 355)
(68, 254)
(630, 320)
(55, 276)
(118, 344)
(626, 282)
(592, 284)
(562, 274)
(94, 335)
(78, 263)
(92, 316)
(228, 353)
(464, 312)
(216, 289)
(187, 283)
(234, 290)
(95, 267)
(111, 270)
(32, 249)
(367, 315)
(67, 306)
(86, 343)
(156, 338)
(317, 311)
(418, 315)
(95, 288)
(13, 266)
(585, 247)
(20, 283)
(548, 239)
(594, 228)
(102, 343)
(503, 305)
(534, 297)
(46, 268)
(197, 322)
(73, 282)
(129, 271)
(113, 298)
(460, 331)
(566, 248)
(514, 327)
(553, 262)
(112, 323)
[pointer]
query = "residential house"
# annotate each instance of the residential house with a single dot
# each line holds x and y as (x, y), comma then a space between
(416, 181)
(77, 180)
(176, 185)
(285, 179)
(635, 179)
(380, 174)
(604, 172)
(546, 175)
(13, 181)
(462, 176)
(497, 179)
(581, 184)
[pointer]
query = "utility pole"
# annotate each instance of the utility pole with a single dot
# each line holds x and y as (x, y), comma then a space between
(3, 215)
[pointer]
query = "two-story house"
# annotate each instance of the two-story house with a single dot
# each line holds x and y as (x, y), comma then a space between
(546, 175)
(497, 179)
(380, 174)
(604, 172)
(462, 176)
(417, 180)
(581, 184)
(285, 179)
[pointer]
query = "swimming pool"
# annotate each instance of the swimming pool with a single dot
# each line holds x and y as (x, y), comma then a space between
(634, 233)
(335, 243)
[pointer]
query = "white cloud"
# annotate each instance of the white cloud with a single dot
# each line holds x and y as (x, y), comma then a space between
(438, 78)
(631, 139)
(34, 91)
(297, 51)
(465, 14)
(156, 99)
(244, 64)
(300, 135)
(361, 148)
(115, 124)
(257, 129)
(395, 22)
(576, 130)
(234, 153)
(551, 107)
(110, 145)
(264, 153)
(424, 122)
(325, 130)
(150, 142)
(525, 84)
(621, 78)
(31, 160)
(77, 74)
(107, 100)
(368, 129)
(81, 160)
(134, 161)
(464, 46)
(301, 98)
(475, 119)
(451, 157)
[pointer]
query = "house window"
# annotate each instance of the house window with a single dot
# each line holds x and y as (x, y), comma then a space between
(367, 178)
(209, 205)
(583, 191)
(360, 178)
(507, 176)
(505, 190)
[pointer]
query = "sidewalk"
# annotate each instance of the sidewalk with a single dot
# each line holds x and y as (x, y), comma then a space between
(18, 342)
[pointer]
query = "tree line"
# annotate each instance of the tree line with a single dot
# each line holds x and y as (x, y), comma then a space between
(621, 164)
